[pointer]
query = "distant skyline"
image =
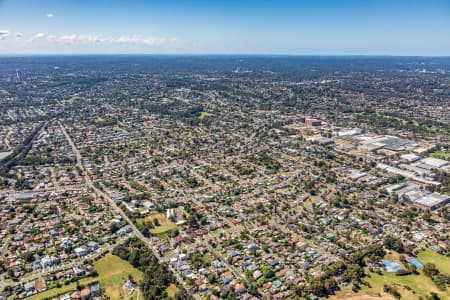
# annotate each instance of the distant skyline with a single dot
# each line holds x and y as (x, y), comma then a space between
(346, 27)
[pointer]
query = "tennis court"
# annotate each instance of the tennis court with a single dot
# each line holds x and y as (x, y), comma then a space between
(415, 262)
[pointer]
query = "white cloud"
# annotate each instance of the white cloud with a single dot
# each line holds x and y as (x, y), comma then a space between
(39, 35)
(98, 39)
(76, 38)
(151, 41)
(50, 15)
(4, 34)
(87, 42)
(8, 35)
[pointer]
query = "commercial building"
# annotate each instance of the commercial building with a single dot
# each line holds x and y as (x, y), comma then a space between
(313, 122)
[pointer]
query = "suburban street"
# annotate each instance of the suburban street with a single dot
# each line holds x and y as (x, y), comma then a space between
(117, 209)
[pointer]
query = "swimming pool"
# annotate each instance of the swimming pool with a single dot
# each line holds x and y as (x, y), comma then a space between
(391, 265)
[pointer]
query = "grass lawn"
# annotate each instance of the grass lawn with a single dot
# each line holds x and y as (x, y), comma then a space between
(429, 256)
(172, 290)
(204, 115)
(208, 258)
(441, 155)
(419, 285)
(72, 99)
(113, 272)
(164, 223)
(392, 255)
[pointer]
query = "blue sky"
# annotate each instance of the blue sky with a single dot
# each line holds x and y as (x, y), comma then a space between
(365, 27)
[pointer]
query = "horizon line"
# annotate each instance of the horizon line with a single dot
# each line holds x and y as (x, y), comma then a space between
(11, 55)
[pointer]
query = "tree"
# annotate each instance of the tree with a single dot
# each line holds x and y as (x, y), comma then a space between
(430, 270)
(433, 296)
(391, 290)
(193, 220)
(393, 243)
(157, 277)
(267, 272)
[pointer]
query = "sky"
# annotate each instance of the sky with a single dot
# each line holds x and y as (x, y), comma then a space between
(294, 27)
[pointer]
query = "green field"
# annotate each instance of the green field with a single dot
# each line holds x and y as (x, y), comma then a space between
(112, 274)
(386, 121)
(72, 99)
(413, 286)
(165, 224)
(204, 115)
(441, 155)
(172, 290)
(429, 256)
(420, 285)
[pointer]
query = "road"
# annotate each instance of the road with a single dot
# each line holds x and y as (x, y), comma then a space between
(23, 149)
(118, 210)
(6, 141)
(11, 192)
